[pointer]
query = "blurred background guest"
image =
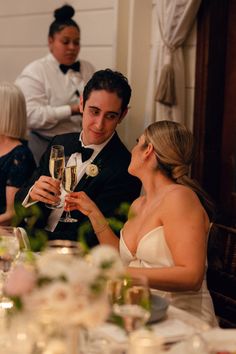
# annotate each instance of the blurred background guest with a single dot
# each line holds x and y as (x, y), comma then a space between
(52, 85)
(16, 160)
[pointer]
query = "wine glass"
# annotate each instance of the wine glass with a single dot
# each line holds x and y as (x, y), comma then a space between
(69, 182)
(13, 241)
(56, 168)
(131, 301)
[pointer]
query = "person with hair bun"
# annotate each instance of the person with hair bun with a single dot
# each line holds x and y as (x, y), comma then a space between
(165, 237)
(16, 160)
(53, 84)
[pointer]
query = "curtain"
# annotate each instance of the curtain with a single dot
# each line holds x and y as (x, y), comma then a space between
(166, 86)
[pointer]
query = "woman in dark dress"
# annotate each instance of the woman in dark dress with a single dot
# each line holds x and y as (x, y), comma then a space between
(16, 160)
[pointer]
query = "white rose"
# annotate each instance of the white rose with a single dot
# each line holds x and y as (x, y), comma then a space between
(104, 254)
(93, 314)
(92, 170)
(51, 264)
(81, 272)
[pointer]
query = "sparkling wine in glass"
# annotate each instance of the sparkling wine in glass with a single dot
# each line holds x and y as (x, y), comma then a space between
(69, 182)
(56, 167)
(131, 302)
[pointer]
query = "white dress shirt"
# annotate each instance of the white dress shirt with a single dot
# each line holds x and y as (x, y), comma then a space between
(49, 94)
(56, 213)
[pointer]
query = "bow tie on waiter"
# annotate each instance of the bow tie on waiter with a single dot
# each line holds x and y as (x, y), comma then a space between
(86, 153)
(75, 66)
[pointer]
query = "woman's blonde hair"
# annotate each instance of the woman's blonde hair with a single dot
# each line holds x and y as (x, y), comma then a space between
(13, 118)
(173, 144)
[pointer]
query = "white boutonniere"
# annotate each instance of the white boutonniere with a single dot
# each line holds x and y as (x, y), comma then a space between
(92, 170)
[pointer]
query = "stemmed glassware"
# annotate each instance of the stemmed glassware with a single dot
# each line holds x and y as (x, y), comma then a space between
(130, 298)
(56, 167)
(69, 182)
(13, 241)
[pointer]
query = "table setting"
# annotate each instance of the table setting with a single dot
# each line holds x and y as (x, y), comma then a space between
(52, 294)
(65, 300)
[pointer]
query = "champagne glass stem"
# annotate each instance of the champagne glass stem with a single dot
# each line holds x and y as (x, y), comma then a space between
(69, 181)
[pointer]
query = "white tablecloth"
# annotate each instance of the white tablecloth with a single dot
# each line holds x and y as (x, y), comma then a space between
(177, 325)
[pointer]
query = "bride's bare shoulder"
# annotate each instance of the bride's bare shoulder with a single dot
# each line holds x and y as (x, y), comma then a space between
(181, 196)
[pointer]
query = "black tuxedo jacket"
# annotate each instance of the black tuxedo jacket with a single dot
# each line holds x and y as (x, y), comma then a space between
(112, 186)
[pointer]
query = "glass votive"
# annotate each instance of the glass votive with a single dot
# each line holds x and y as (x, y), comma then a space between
(65, 247)
(144, 342)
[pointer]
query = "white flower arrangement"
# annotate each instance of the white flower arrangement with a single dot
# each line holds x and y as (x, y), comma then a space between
(65, 288)
(92, 170)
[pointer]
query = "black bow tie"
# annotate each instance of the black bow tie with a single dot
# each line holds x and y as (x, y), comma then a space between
(86, 153)
(75, 66)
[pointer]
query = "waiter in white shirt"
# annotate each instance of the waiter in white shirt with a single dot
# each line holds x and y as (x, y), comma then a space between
(53, 84)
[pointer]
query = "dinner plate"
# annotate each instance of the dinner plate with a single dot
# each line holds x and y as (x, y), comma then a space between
(159, 306)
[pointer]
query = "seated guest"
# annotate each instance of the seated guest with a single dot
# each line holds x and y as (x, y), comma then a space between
(16, 160)
(165, 238)
(52, 84)
(104, 105)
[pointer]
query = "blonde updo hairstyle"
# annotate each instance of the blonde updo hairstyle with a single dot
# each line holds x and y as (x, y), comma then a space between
(13, 118)
(173, 144)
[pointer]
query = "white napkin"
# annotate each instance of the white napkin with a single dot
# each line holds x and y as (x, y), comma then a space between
(173, 330)
(110, 332)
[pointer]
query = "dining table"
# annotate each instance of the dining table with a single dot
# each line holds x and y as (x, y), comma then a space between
(175, 331)
(176, 326)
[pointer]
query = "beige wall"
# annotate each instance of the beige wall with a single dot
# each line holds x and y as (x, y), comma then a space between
(133, 54)
(24, 28)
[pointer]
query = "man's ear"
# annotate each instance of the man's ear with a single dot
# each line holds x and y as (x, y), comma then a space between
(123, 115)
(81, 101)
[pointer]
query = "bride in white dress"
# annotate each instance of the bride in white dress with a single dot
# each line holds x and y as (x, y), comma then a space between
(165, 237)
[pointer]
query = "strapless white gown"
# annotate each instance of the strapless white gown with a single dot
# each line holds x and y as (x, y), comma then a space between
(153, 252)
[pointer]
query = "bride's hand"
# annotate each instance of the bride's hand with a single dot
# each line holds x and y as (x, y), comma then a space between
(79, 201)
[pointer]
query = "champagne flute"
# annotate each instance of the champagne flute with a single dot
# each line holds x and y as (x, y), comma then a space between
(56, 168)
(131, 301)
(69, 182)
(13, 240)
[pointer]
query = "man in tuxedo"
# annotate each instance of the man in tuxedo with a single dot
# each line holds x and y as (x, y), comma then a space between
(101, 158)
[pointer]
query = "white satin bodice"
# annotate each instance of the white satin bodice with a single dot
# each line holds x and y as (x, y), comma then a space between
(153, 252)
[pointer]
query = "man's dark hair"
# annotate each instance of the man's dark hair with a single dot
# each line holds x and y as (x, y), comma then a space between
(111, 81)
(63, 18)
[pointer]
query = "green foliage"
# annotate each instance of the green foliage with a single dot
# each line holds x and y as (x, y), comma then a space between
(123, 209)
(107, 264)
(17, 306)
(38, 240)
(117, 320)
(116, 223)
(28, 218)
(83, 230)
(47, 280)
(28, 215)
(98, 285)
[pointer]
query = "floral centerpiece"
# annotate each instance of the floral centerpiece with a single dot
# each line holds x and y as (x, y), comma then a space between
(56, 289)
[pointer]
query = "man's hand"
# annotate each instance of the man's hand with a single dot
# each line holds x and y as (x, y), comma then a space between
(46, 190)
